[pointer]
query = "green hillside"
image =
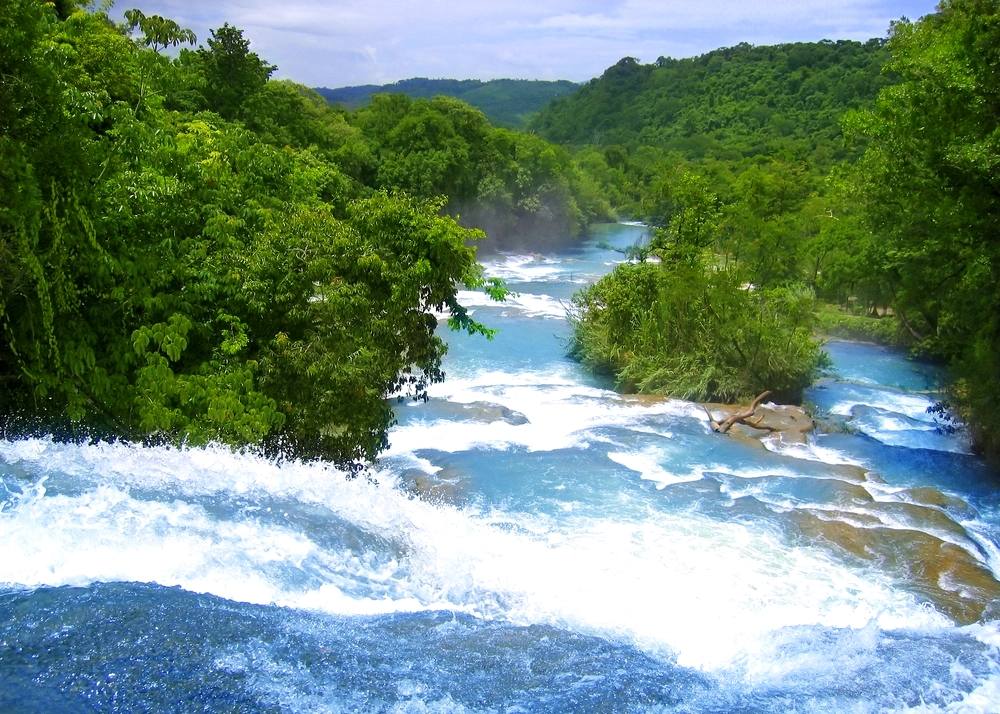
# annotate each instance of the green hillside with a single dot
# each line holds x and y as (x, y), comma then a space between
(506, 102)
(730, 103)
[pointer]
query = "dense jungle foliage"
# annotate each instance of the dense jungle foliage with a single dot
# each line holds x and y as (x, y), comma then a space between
(780, 101)
(192, 250)
(760, 126)
(513, 185)
(894, 220)
(508, 103)
(928, 190)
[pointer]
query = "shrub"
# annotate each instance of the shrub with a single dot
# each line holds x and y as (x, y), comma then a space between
(689, 331)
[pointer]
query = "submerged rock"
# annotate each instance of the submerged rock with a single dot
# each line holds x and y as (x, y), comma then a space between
(927, 496)
(951, 577)
(443, 486)
(748, 435)
(791, 422)
(851, 472)
(487, 412)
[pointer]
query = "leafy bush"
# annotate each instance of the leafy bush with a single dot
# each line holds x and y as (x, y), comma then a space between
(686, 330)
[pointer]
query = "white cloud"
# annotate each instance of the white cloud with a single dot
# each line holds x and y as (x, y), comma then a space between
(374, 41)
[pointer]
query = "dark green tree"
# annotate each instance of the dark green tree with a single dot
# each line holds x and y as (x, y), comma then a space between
(174, 275)
(929, 185)
(232, 72)
(689, 212)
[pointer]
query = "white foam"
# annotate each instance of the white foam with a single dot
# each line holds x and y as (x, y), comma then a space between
(525, 268)
(650, 581)
(912, 405)
(896, 430)
(810, 451)
(105, 535)
(988, 633)
(984, 543)
(887, 422)
(529, 304)
(639, 429)
(647, 464)
(561, 413)
(652, 463)
(421, 464)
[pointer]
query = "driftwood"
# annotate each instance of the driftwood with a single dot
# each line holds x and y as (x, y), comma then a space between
(726, 424)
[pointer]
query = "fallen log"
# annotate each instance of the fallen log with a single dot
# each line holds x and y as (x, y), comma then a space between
(726, 424)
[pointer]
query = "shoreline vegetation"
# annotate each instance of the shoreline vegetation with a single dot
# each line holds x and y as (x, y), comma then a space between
(835, 321)
(195, 251)
(683, 372)
(679, 327)
(880, 196)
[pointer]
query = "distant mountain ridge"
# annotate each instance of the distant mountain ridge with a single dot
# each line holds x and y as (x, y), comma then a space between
(736, 101)
(506, 102)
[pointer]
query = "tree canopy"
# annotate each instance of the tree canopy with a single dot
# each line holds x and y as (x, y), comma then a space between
(510, 183)
(189, 250)
(928, 185)
(779, 101)
(509, 103)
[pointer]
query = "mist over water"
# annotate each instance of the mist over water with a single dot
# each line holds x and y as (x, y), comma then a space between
(531, 541)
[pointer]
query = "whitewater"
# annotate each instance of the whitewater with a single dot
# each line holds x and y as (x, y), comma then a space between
(531, 541)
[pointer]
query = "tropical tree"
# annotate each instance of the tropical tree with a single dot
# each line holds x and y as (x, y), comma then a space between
(929, 185)
(171, 274)
(232, 72)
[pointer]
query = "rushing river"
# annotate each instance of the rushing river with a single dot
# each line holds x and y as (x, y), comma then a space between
(532, 542)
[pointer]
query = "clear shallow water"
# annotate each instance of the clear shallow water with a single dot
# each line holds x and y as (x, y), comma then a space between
(534, 542)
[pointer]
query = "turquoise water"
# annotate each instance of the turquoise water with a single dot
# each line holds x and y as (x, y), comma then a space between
(531, 541)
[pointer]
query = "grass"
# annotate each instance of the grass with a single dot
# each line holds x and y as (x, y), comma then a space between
(834, 321)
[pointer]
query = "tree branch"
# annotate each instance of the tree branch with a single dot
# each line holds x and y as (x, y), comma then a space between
(726, 424)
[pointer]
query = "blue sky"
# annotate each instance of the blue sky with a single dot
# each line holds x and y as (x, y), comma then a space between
(350, 42)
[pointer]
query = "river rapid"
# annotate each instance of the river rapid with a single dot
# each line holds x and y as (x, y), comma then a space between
(531, 541)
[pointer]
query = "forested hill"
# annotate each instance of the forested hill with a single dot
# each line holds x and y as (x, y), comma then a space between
(506, 102)
(732, 102)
